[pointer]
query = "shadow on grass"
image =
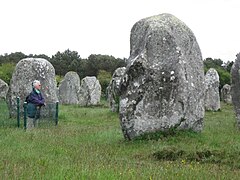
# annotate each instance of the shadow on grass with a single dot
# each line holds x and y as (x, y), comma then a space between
(219, 157)
(163, 135)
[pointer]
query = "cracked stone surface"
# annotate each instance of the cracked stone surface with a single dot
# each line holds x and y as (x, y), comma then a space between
(163, 85)
(114, 89)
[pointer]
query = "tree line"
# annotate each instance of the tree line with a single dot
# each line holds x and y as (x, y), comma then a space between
(223, 69)
(101, 66)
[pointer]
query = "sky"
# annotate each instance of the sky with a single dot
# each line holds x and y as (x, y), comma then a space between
(103, 26)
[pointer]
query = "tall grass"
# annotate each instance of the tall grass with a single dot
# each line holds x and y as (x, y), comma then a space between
(88, 144)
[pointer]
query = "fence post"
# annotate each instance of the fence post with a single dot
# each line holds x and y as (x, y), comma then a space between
(25, 115)
(56, 115)
(18, 112)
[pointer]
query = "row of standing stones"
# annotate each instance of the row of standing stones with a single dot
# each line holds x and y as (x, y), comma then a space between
(162, 87)
(70, 91)
(212, 95)
(88, 93)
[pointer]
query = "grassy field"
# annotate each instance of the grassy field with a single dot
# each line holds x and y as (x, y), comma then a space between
(88, 144)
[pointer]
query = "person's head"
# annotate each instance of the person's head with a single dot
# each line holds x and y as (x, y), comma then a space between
(36, 84)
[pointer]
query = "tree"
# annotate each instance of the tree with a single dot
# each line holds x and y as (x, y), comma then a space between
(44, 56)
(6, 71)
(12, 58)
(221, 68)
(65, 62)
(104, 78)
(98, 62)
(228, 66)
(92, 65)
(212, 63)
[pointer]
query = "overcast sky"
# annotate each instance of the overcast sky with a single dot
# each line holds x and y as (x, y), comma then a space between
(103, 26)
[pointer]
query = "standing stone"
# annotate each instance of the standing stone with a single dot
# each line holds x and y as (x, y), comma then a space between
(114, 88)
(3, 89)
(162, 87)
(226, 94)
(235, 90)
(90, 91)
(69, 88)
(26, 71)
(212, 98)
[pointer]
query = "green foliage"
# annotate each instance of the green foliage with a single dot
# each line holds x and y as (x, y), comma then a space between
(224, 77)
(95, 63)
(212, 63)
(104, 78)
(222, 69)
(228, 66)
(39, 56)
(6, 71)
(68, 60)
(65, 62)
(59, 79)
(12, 58)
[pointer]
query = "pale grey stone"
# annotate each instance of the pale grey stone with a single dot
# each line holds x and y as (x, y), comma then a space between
(69, 89)
(235, 90)
(226, 94)
(163, 86)
(212, 97)
(3, 89)
(90, 91)
(114, 89)
(27, 70)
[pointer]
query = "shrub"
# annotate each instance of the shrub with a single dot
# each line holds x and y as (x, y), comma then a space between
(104, 78)
(6, 71)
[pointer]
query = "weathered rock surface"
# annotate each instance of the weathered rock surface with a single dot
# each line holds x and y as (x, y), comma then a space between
(114, 89)
(226, 94)
(235, 90)
(26, 71)
(212, 98)
(69, 89)
(3, 89)
(163, 86)
(90, 91)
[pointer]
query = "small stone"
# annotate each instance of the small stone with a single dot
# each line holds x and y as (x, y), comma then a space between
(3, 89)
(212, 97)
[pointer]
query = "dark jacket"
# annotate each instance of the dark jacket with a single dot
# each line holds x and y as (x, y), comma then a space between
(34, 100)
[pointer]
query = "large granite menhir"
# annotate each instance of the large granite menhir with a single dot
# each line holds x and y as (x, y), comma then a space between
(163, 86)
(26, 71)
(235, 90)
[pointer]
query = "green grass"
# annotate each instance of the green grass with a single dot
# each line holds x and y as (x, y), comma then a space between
(88, 144)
